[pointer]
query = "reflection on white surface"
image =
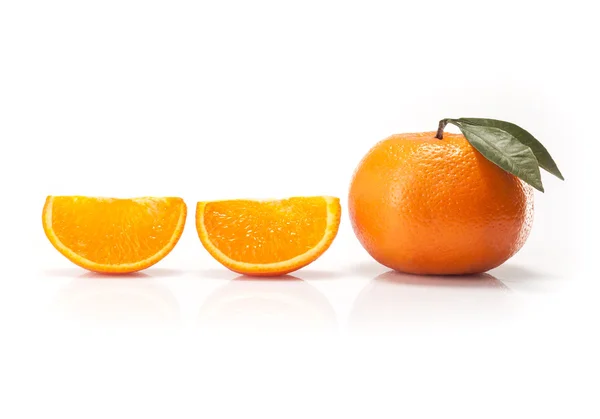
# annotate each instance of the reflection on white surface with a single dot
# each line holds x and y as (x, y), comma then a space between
(395, 301)
(267, 305)
(135, 300)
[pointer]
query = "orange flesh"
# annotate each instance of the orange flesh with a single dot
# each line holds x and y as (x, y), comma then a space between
(112, 232)
(266, 231)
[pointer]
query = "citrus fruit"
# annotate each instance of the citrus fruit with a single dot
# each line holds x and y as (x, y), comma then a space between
(268, 238)
(424, 205)
(112, 235)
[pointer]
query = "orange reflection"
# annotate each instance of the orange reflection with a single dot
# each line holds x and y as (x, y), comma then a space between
(134, 300)
(394, 302)
(267, 305)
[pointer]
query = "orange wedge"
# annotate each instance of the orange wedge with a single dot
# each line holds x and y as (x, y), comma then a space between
(112, 235)
(268, 238)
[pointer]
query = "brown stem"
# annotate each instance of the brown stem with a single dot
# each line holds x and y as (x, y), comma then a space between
(440, 131)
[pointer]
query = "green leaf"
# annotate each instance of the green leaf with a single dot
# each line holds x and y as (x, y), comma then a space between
(503, 149)
(544, 159)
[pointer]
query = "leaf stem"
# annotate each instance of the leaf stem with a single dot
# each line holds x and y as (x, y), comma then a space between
(440, 131)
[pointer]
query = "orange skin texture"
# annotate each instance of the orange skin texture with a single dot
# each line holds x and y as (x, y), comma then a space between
(427, 206)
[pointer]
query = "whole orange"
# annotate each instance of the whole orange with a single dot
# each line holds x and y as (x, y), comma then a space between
(428, 206)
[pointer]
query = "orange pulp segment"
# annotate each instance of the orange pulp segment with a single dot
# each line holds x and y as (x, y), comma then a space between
(112, 235)
(268, 238)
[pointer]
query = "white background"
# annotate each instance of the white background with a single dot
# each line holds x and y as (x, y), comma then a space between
(231, 99)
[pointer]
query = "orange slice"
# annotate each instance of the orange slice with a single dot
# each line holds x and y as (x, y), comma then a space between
(113, 235)
(268, 238)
